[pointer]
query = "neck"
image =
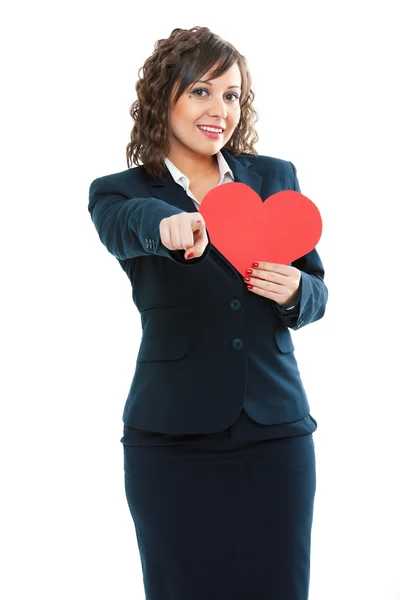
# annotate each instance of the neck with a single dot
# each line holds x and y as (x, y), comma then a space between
(194, 166)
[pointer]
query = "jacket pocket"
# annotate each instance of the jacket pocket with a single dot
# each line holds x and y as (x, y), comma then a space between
(284, 340)
(163, 347)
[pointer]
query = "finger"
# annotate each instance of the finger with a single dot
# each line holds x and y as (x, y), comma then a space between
(269, 286)
(203, 240)
(270, 276)
(175, 234)
(268, 293)
(200, 219)
(274, 267)
(198, 235)
(165, 235)
(188, 233)
(279, 293)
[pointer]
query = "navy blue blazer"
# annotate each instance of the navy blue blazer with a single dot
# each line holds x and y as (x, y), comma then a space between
(209, 346)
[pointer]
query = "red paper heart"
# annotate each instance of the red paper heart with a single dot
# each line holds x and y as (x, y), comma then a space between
(245, 229)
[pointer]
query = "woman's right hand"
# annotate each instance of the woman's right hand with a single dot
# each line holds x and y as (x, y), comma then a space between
(185, 231)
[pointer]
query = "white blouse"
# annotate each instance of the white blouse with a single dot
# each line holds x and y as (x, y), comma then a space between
(226, 175)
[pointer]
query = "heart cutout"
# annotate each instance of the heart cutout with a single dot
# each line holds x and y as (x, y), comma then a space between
(286, 226)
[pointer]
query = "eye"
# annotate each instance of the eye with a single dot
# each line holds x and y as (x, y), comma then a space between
(199, 90)
(236, 97)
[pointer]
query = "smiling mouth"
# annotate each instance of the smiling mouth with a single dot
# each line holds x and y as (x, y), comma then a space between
(212, 135)
(219, 132)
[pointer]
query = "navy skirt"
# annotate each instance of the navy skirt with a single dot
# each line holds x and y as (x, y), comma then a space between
(223, 516)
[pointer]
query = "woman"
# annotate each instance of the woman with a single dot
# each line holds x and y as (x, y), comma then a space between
(218, 448)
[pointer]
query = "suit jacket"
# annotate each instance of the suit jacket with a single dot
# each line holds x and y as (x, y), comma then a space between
(209, 346)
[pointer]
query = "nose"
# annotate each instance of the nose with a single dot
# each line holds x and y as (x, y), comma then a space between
(218, 109)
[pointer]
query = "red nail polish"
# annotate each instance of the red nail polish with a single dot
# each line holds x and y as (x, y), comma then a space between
(250, 287)
(255, 265)
(190, 255)
(249, 271)
(247, 278)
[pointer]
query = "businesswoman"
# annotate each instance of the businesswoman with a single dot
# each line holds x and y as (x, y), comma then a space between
(218, 445)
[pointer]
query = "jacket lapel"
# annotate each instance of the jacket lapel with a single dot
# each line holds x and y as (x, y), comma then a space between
(171, 192)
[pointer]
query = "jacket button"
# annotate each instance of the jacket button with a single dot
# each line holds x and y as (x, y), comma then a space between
(235, 304)
(237, 344)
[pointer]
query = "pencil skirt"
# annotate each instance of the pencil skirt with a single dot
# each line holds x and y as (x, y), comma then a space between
(219, 517)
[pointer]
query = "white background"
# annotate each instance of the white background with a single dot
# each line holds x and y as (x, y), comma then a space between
(325, 77)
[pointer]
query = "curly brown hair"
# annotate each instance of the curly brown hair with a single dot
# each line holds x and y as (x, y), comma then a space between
(183, 58)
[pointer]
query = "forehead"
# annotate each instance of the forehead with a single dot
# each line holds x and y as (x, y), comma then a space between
(233, 71)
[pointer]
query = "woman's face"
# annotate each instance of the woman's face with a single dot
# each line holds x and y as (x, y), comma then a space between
(215, 103)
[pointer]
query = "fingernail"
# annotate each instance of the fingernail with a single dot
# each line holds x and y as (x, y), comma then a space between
(190, 255)
(255, 264)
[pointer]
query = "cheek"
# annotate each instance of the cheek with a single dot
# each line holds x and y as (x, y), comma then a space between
(186, 118)
(178, 123)
(235, 116)
(234, 123)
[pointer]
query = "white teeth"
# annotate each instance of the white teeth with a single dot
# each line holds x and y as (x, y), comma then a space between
(214, 130)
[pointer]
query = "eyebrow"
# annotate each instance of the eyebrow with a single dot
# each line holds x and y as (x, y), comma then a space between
(209, 83)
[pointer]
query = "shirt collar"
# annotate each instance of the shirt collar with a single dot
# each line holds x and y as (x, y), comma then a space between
(178, 176)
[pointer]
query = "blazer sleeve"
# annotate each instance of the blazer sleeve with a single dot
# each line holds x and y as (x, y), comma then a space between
(129, 227)
(313, 294)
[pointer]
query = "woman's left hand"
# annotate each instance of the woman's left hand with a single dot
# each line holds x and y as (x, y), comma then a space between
(279, 283)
